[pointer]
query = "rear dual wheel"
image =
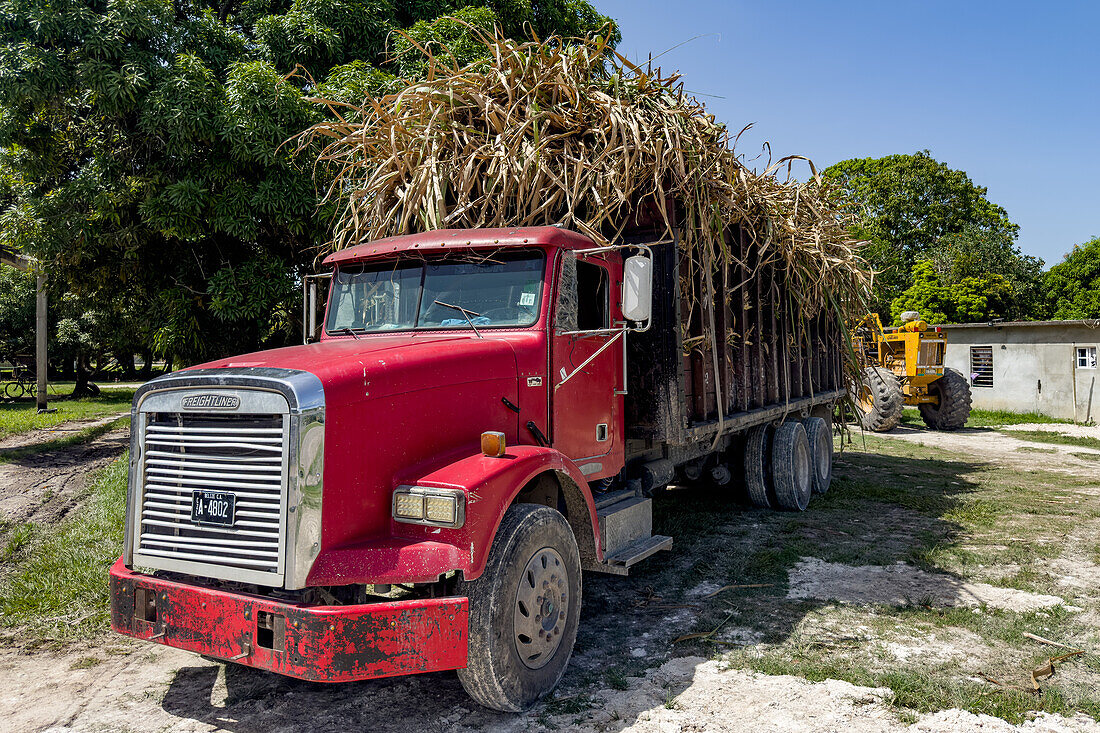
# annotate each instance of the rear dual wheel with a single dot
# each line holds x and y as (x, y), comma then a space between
(780, 466)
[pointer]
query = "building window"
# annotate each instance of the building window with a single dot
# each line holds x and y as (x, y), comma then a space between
(981, 366)
(1086, 357)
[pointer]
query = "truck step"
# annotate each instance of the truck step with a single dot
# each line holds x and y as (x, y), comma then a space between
(624, 522)
(612, 497)
(620, 562)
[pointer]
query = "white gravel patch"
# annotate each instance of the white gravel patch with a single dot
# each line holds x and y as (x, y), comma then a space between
(899, 584)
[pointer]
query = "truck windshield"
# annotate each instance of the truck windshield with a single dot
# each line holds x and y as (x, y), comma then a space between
(501, 290)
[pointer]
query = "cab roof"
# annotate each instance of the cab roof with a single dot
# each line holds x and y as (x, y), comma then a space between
(442, 240)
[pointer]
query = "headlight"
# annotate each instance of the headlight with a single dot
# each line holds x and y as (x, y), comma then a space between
(425, 505)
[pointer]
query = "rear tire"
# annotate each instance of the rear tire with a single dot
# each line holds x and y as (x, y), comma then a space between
(880, 402)
(792, 472)
(953, 410)
(13, 390)
(820, 436)
(510, 663)
(758, 466)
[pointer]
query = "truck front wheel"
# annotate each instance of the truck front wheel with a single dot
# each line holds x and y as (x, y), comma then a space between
(524, 610)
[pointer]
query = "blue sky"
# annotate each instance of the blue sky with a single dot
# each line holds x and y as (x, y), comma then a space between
(1008, 92)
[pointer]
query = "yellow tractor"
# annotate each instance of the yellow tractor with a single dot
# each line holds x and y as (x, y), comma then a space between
(904, 366)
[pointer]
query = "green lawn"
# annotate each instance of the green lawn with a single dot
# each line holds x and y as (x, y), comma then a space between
(987, 418)
(53, 579)
(21, 417)
(1043, 436)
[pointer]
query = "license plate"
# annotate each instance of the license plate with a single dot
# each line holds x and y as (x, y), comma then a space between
(213, 507)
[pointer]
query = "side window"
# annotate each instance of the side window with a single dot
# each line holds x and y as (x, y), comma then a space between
(593, 306)
(981, 366)
(1086, 357)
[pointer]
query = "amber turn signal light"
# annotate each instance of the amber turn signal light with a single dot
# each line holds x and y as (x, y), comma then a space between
(492, 444)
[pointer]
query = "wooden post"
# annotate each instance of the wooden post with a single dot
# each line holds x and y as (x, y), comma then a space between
(40, 339)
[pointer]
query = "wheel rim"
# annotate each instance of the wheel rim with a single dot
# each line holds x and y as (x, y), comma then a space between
(541, 610)
(803, 470)
(866, 401)
(823, 450)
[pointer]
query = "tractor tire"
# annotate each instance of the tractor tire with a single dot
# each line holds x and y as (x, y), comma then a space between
(792, 471)
(880, 402)
(954, 408)
(758, 466)
(820, 435)
(520, 635)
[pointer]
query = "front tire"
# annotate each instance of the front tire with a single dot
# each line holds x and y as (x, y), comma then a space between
(524, 610)
(880, 403)
(953, 409)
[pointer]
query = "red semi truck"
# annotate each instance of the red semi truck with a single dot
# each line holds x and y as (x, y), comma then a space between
(481, 415)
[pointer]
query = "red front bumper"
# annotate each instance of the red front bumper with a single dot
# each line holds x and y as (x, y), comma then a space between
(317, 643)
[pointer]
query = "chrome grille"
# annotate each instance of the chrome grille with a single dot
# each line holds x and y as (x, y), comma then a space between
(241, 454)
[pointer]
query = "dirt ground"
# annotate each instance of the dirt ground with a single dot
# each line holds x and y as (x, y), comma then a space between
(994, 445)
(847, 590)
(41, 487)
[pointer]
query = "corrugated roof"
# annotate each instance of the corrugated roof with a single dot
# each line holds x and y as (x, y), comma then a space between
(1087, 323)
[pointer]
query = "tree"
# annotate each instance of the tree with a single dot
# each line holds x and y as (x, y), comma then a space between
(1073, 285)
(906, 204)
(978, 253)
(971, 299)
(142, 154)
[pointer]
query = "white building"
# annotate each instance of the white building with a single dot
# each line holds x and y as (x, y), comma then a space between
(1047, 367)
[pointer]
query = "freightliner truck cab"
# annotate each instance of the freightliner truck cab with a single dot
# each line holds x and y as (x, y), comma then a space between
(416, 489)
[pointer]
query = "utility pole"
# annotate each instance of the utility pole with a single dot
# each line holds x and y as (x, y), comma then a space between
(40, 340)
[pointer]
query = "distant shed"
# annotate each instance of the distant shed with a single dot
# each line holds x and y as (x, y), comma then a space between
(1047, 367)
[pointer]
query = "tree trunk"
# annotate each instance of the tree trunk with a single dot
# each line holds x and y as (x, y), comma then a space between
(146, 365)
(84, 386)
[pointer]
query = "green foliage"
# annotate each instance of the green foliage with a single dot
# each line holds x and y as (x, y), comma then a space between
(16, 312)
(907, 204)
(969, 300)
(453, 41)
(142, 155)
(1073, 285)
(976, 255)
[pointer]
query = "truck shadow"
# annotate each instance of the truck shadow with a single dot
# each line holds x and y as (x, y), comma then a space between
(741, 576)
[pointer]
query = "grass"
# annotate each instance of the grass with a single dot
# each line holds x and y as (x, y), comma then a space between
(1043, 436)
(53, 582)
(21, 417)
(988, 419)
(82, 436)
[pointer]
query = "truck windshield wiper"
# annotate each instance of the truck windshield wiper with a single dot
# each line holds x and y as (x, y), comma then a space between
(349, 332)
(466, 313)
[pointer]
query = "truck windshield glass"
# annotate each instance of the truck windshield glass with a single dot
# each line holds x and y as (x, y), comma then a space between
(502, 290)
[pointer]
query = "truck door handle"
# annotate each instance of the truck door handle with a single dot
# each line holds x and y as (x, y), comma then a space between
(539, 437)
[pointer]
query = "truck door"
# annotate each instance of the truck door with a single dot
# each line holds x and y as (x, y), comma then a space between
(586, 408)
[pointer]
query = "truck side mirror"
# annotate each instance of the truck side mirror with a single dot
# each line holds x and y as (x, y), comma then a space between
(310, 303)
(637, 288)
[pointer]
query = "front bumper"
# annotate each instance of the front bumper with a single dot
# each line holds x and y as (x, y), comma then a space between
(316, 643)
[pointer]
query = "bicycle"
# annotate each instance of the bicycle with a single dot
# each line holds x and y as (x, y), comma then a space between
(22, 384)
